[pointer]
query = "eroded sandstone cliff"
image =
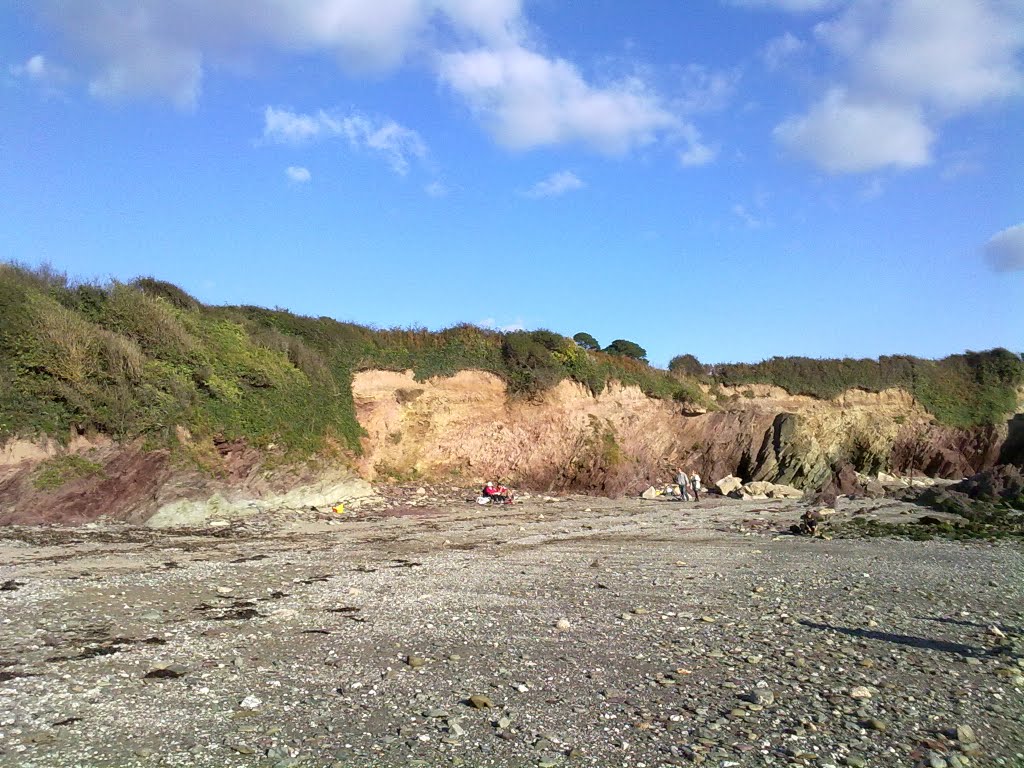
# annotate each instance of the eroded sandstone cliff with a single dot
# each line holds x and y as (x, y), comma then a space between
(568, 439)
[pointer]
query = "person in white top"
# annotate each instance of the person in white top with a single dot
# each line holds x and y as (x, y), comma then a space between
(695, 486)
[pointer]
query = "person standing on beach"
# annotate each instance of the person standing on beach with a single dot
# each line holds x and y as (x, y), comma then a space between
(695, 486)
(684, 485)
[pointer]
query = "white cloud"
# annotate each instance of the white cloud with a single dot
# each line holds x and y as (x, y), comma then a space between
(398, 144)
(436, 189)
(780, 49)
(956, 55)
(556, 184)
(1005, 250)
(705, 90)
(528, 100)
(748, 218)
(961, 164)
(872, 190)
(479, 48)
(39, 69)
(160, 48)
(298, 174)
(491, 323)
(36, 67)
(907, 67)
(697, 153)
(841, 135)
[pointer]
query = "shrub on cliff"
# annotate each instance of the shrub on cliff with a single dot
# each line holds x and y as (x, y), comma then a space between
(686, 365)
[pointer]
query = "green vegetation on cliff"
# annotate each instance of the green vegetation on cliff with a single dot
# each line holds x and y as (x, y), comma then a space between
(965, 390)
(146, 359)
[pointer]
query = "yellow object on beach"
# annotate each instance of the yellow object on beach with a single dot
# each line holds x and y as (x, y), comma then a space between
(340, 509)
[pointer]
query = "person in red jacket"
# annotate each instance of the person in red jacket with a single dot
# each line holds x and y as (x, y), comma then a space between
(498, 494)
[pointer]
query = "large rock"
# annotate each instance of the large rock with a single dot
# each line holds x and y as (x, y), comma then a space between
(784, 492)
(873, 489)
(843, 482)
(788, 456)
(186, 513)
(759, 489)
(1012, 450)
(1003, 483)
(728, 484)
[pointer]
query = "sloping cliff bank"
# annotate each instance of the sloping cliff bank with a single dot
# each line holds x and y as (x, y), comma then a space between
(568, 439)
(45, 483)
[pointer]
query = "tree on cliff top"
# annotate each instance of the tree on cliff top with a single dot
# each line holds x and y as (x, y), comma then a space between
(626, 348)
(586, 341)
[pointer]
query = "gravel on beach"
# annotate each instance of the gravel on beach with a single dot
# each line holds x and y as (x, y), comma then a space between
(554, 632)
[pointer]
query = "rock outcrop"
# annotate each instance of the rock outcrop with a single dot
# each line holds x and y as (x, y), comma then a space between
(622, 441)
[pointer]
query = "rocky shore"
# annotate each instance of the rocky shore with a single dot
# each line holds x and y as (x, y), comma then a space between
(425, 630)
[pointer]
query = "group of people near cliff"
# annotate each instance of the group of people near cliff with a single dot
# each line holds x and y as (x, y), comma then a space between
(494, 493)
(689, 485)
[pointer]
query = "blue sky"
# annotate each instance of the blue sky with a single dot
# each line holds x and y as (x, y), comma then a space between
(734, 179)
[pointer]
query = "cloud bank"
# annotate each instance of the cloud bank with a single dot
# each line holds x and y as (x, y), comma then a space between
(907, 66)
(478, 49)
(396, 143)
(556, 184)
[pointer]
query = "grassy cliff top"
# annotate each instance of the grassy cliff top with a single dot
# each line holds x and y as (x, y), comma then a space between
(144, 359)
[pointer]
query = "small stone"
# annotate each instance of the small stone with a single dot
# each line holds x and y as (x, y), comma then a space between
(760, 696)
(415, 661)
(562, 624)
(504, 722)
(855, 761)
(250, 702)
(860, 692)
(708, 619)
(224, 590)
(170, 672)
(874, 724)
(480, 702)
(965, 734)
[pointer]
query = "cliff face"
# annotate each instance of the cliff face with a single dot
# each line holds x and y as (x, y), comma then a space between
(466, 426)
